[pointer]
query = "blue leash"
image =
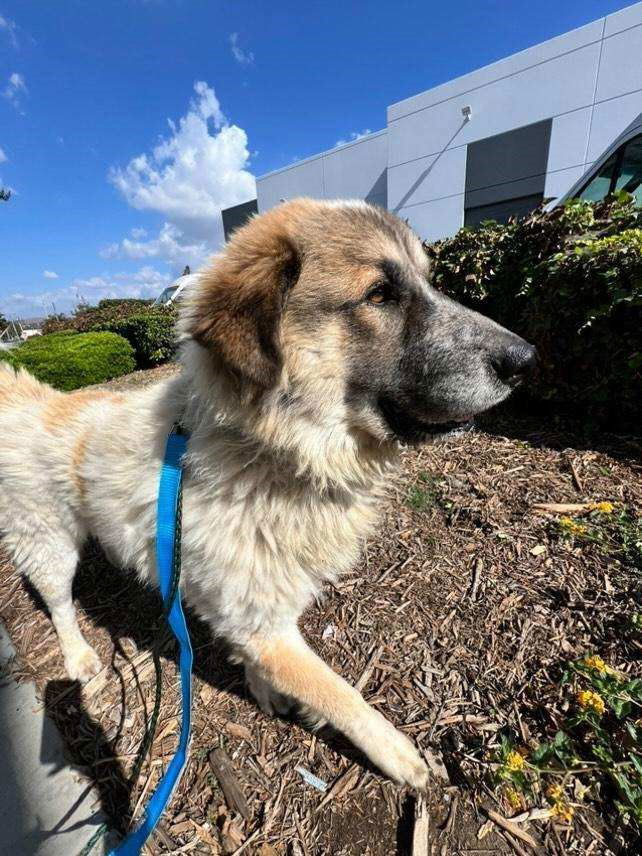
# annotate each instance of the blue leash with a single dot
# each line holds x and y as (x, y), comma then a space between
(168, 537)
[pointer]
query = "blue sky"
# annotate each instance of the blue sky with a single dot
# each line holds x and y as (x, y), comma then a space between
(125, 125)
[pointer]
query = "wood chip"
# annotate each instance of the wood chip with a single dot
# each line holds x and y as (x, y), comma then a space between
(563, 507)
(577, 481)
(436, 765)
(238, 730)
(511, 827)
(342, 785)
(206, 837)
(367, 672)
(421, 828)
(477, 571)
(227, 778)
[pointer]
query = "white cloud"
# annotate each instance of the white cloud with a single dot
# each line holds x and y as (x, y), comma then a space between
(10, 28)
(355, 135)
(199, 169)
(50, 274)
(138, 233)
(168, 245)
(3, 157)
(145, 282)
(15, 89)
(241, 56)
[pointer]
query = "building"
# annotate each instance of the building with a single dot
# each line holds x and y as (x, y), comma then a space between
(236, 216)
(491, 143)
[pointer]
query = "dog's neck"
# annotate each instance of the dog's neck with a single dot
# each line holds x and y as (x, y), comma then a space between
(274, 429)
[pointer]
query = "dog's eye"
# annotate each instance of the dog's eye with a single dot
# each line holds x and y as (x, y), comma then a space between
(381, 293)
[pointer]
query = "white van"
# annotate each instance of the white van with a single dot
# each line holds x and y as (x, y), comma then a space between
(173, 291)
(618, 168)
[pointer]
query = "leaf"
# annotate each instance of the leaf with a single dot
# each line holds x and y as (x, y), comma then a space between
(621, 707)
(543, 752)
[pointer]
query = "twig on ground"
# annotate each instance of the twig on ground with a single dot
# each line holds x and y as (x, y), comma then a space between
(478, 568)
(511, 827)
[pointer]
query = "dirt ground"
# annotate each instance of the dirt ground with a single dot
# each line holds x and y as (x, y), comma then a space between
(456, 625)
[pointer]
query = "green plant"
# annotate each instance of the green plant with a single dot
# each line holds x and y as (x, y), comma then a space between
(68, 360)
(151, 335)
(86, 318)
(602, 737)
(617, 532)
(569, 280)
(424, 493)
(597, 747)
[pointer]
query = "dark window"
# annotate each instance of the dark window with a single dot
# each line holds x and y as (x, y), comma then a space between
(502, 211)
(505, 174)
(237, 215)
(600, 185)
(629, 176)
(622, 171)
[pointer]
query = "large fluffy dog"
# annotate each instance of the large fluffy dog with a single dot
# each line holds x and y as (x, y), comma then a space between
(312, 346)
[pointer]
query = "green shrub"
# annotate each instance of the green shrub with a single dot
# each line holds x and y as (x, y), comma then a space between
(149, 330)
(151, 336)
(7, 357)
(570, 281)
(87, 318)
(69, 360)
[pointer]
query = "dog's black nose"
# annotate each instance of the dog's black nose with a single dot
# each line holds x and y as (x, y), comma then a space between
(515, 363)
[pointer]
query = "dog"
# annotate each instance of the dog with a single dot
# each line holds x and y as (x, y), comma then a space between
(310, 349)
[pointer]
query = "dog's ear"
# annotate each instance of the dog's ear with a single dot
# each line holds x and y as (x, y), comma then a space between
(236, 309)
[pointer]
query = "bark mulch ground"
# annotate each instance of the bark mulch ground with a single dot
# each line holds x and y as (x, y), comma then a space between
(456, 625)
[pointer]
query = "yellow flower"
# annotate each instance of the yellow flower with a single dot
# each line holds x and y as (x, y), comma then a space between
(597, 663)
(588, 700)
(514, 762)
(514, 798)
(561, 808)
(572, 527)
(564, 811)
(602, 507)
(555, 793)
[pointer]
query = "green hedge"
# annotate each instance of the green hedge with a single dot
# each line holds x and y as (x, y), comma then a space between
(68, 360)
(570, 281)
(151, 335)
(86, 318)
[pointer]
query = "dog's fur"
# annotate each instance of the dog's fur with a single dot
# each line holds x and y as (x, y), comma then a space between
(310, 347)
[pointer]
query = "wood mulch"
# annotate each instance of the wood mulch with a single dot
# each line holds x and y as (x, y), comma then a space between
(456, 625)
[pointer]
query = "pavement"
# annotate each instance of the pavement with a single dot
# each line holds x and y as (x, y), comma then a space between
(46, 808)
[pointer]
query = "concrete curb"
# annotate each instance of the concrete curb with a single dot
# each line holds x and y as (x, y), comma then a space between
(46, 809)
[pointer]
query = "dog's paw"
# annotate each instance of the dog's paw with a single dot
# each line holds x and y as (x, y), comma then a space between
(268, 699)
(82, 663)
(404, 764)
(310, 718)
(394, 754)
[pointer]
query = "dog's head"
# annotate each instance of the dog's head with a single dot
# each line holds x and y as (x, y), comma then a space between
(326, 308)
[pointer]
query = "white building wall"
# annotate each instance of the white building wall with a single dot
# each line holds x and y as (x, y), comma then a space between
(588, 81)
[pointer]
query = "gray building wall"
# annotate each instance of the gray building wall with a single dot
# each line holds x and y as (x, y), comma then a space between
(586, 85)
(353, 171)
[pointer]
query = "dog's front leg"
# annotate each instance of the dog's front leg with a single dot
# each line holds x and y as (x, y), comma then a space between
(287, 664)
